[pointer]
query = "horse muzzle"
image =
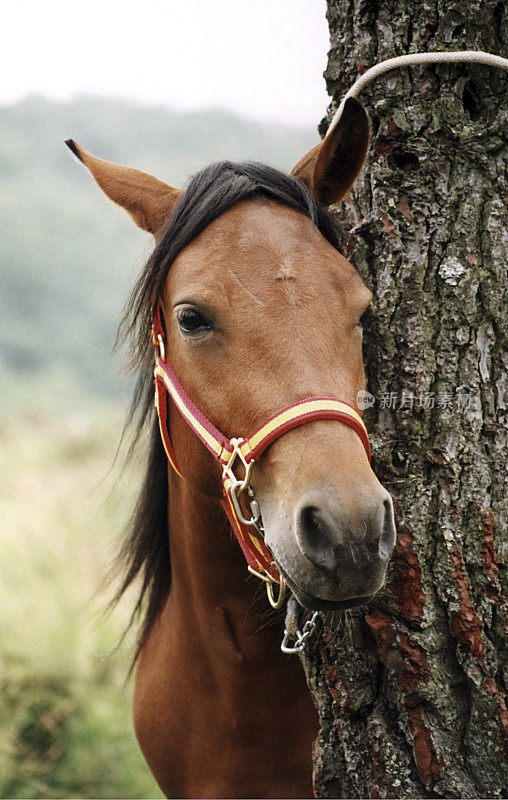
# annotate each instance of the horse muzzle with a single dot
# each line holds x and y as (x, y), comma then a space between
(330, 558)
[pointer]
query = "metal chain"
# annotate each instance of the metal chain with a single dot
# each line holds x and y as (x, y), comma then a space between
(301, 637)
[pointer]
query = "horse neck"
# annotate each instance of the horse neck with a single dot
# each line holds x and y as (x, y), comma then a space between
(208, 568)
(219, 710)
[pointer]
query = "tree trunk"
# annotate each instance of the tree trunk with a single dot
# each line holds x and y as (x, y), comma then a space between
(410, 689)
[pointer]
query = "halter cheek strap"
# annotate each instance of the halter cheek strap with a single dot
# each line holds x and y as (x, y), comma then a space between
(248, 531)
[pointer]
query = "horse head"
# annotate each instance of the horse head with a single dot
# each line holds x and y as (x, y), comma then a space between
(260, 310)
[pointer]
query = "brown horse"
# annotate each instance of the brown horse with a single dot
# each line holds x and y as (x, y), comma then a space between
(259, 311)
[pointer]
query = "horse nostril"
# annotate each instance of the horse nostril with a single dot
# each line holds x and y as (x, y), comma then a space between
(329, 539)
(317, 536)
(387, 539)
(373, 544)
(377, 537)
(312, 523)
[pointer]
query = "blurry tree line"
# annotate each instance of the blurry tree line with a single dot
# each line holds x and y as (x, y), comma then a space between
(66, 257)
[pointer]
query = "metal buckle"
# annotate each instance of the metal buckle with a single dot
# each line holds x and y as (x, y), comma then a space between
(236, 489)
(227, 469)
(239, 486)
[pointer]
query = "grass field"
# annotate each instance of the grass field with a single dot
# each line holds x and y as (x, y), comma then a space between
(65, 726)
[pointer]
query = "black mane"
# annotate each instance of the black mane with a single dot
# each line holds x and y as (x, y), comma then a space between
(209, 194)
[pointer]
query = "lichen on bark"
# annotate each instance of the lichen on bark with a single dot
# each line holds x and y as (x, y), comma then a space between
(411, 690)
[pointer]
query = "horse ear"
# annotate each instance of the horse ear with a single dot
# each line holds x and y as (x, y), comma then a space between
(148, 200)
(331, 167)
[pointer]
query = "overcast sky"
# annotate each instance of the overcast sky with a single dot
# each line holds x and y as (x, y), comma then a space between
(261, 58)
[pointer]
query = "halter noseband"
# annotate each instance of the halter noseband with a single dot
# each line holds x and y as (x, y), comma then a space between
(227, 452)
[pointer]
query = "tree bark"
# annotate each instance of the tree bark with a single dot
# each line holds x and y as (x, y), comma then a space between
(410, 689)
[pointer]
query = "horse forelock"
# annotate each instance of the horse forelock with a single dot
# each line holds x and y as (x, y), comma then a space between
(209, 194)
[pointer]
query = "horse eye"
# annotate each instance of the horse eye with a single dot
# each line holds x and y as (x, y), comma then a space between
(367, 316)
(190, 320)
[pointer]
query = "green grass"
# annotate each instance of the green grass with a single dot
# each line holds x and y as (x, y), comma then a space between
(65, 722)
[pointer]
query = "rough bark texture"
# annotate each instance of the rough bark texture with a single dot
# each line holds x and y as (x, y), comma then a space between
(411, 690)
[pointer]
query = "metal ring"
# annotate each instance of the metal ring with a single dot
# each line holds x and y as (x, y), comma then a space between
(266, 578)
(276, 602)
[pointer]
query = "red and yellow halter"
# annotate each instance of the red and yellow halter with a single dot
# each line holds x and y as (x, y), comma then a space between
(249, 532)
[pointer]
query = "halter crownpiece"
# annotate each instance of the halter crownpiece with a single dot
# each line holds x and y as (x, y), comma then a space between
(248, 531)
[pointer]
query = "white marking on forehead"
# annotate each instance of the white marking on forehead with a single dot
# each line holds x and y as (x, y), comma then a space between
(285, 273)
(245, 288)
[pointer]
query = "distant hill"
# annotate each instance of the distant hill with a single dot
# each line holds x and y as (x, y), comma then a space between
(67, 256)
